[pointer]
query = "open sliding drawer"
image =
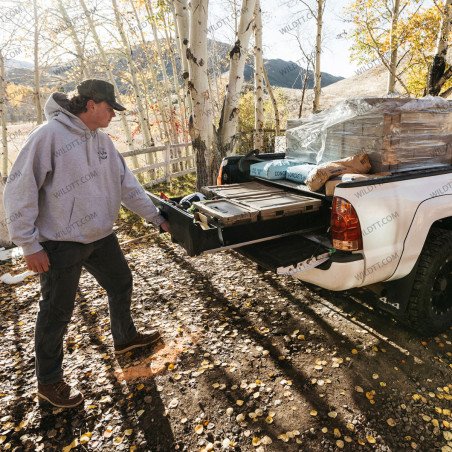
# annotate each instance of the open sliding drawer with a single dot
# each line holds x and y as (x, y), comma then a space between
(197, 235)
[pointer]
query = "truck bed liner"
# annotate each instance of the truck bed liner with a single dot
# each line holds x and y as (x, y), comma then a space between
(197, 235)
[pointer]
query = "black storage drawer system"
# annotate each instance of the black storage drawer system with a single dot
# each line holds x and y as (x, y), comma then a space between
(196, 237)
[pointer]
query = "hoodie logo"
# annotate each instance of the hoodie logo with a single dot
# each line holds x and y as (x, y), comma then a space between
(102, 154)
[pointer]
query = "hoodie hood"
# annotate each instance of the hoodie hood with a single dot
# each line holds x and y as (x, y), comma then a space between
(56, 108)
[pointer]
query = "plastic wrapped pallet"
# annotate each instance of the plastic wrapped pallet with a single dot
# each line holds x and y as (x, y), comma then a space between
(273, 169)
(397, 133)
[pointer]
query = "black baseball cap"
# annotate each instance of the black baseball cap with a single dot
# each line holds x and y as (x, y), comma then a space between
(99, 90)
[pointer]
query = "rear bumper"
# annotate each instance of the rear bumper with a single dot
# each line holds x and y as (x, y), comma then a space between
(337, 274)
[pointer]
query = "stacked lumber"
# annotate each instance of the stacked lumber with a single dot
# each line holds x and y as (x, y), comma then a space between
(397, 133)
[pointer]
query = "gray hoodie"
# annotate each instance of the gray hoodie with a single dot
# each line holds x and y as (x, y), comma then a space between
(68, 183)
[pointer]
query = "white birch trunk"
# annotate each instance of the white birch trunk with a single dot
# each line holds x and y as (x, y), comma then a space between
(318, 52)
(170, 51)
(3, 118)
(112, 80)
(228, 125)
(4, 236)
(182, 21)
(165, 137)
(258, 80)
(200, 124)
(143, 120)
(393, 46)
(166, 84)
(84, 72)
(37, 88)
(274, 103)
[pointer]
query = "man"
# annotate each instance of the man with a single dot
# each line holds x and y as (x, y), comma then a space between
(65, 202)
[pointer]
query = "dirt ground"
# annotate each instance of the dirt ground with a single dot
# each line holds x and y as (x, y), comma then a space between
(250, 361)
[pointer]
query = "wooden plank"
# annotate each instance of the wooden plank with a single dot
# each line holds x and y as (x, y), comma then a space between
(183, 173)
(152, 149)
(143, 151)
(148, 167)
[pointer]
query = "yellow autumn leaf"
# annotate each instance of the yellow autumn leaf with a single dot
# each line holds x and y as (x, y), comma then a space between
(85, 437)
(255, 441)
(284, 437)
(391, 422)
(371, 439)
(313, 413)
(340, 444)
(71, 446)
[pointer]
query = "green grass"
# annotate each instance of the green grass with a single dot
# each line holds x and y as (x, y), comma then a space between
(178, 187)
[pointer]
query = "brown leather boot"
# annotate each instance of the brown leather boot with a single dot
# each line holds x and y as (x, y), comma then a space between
(60, 394)
(140, 340)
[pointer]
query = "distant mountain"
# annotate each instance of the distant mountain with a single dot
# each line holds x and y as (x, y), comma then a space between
(18, 64)
(285, 74)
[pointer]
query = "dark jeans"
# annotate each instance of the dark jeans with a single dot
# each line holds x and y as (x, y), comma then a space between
(106, 262)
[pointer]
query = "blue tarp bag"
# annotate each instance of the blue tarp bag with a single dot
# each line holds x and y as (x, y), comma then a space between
(299, 173)
(273, 169)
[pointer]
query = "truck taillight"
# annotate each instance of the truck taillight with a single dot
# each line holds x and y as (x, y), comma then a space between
(345, 227)
(220, 175)
(220, 172)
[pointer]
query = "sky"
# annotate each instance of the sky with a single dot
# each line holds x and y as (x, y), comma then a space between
(283, 18)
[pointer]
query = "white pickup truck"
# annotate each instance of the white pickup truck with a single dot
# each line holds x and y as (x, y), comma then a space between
(392, 234)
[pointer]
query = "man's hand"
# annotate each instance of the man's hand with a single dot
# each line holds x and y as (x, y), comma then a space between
(165, 226)
(38, 262)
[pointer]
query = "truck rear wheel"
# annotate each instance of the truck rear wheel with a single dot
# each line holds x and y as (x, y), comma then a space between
(430, 304)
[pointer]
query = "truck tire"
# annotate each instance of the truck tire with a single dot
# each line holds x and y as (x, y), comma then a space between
(430, 304)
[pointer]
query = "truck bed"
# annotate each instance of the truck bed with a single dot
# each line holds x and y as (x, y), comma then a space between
(217, 227)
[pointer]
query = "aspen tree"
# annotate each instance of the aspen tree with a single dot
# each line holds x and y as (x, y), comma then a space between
(258, 80)
(84, 72)
(274, 103)
(379, 37)
(3, 116)
(111, 78)
(143, 120)
(393, 47)
(180, 11)
(36, 70)
(166, 84)
(228, 125)
(156, 89)
(200, 122)
(440, 70)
